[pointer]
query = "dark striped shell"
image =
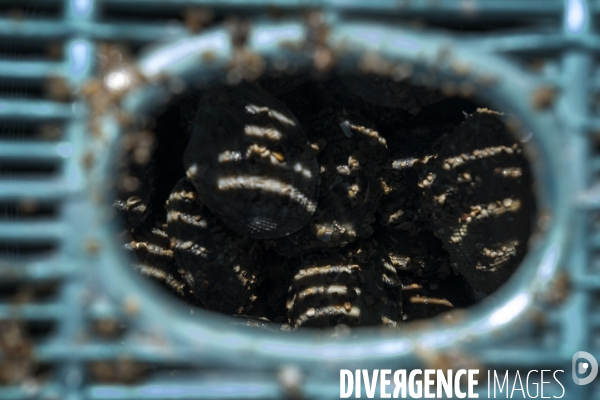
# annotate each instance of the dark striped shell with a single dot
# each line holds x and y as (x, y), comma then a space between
(220, 266)
(352, 157)
(410, 152)
(151, 248)
(479, 199)
(408, 253)
(354, 287)
(425, 298)
(429, 286)
(251, 162)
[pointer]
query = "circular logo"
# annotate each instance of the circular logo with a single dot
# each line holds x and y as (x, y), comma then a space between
(583, 367)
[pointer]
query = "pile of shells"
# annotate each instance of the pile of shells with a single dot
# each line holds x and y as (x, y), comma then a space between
(348, 201)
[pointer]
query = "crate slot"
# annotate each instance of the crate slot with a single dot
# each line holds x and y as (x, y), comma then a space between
(461, 23)
(28, 292)
(22, 169)
(26, 9)
(412, 7)
(42, 48)
(17, 88)
(39, 330)
(26, 132)
(27, 211)
(119, 12)
(18, 250)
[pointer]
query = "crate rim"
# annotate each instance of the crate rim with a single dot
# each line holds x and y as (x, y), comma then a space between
(487, 322)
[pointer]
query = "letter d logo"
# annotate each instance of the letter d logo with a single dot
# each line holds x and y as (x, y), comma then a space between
(583, 367)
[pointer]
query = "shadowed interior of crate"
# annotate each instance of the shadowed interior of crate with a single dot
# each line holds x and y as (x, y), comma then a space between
(450, 216)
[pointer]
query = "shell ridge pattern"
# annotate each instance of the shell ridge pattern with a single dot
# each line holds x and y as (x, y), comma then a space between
(350, 214)
(357, 288)
(219, 264)
(351, 156)
(480, 198)
(270, 188)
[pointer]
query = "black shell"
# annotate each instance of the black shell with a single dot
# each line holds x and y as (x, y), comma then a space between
(354, 287)
(251, 162)
(154, 258)
(411, 150)
(219, 266)
(479, 198)
(351, 162)
(410, 254)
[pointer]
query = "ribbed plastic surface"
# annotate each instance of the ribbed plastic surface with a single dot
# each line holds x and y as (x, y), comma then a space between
(101, 319)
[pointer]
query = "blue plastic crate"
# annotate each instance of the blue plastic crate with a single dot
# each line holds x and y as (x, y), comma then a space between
(548, 311)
